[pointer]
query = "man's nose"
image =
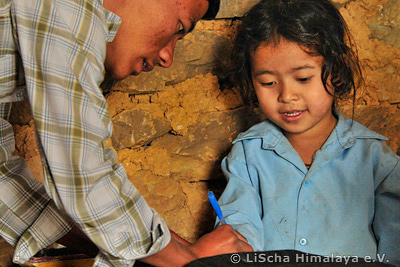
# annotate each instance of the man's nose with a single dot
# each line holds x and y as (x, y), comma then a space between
(167, 54)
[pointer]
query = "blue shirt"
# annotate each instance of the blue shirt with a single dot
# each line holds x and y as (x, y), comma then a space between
(346, 204)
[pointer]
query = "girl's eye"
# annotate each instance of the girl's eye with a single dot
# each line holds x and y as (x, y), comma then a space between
(303, 80)
(268, 84)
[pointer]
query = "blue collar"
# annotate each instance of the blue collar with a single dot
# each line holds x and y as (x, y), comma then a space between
(346, 133)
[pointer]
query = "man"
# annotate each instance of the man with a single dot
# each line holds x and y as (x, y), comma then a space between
(55, 53)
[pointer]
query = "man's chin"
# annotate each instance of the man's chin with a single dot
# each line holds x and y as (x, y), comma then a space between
(118, 73)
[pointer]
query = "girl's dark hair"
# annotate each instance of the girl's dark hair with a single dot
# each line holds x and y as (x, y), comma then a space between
(316, 25)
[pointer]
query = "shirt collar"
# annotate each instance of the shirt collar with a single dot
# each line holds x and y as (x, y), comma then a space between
(346, 132)
(113, 22)
(266, 130)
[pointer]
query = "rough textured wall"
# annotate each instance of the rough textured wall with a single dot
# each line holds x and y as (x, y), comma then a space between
(173, 126)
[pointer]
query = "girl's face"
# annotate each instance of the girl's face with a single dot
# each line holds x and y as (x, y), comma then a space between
(288, 84)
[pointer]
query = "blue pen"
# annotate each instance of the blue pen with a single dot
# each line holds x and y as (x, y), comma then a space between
(216, 207)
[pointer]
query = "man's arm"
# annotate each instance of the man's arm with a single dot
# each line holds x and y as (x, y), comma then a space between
(63, 65)
(179, 252)
(29, 219)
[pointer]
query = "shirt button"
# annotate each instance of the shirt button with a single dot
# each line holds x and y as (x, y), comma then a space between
(308, 182)
(303, 242)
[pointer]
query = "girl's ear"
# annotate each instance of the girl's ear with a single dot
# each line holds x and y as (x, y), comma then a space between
(251, 96)
(328, 83)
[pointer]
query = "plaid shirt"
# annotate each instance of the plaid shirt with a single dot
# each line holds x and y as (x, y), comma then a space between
(52, 51)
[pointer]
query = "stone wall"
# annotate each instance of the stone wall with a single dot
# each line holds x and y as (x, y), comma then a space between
(173, 126)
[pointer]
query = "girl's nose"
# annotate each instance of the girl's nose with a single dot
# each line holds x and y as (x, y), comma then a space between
(167, 54)
(287, 93)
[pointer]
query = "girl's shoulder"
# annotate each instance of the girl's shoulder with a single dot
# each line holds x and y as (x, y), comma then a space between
(349, 130)
(260, 130)
(353, 129)
(259, 137)
(355, 136)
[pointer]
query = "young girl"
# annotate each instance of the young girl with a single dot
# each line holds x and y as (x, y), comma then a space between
(306, 178)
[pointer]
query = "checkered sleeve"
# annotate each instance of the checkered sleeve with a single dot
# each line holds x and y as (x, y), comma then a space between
(29, 219)
(62, 45)
(24, 203)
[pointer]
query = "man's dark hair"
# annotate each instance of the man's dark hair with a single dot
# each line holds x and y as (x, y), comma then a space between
(213, 8)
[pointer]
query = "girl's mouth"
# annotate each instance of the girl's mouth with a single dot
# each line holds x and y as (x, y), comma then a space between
(292, 115)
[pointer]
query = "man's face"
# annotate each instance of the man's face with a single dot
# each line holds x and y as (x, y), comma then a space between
(149, 32)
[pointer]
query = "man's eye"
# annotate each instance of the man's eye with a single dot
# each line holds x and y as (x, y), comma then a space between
(181, 29)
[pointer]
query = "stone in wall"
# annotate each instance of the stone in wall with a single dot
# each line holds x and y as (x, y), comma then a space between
(380, 60)
(24, 138)
(6, 253)
(385, 25)
(234, 8)
(377, 104)
(137, 128)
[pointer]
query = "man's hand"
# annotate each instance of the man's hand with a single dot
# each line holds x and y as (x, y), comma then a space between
(179, 252)
(222, 240)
